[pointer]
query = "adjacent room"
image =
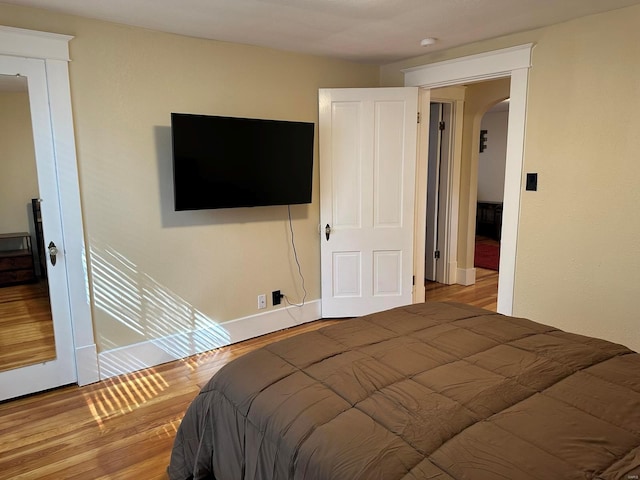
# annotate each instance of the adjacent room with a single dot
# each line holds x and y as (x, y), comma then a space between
(321, 240)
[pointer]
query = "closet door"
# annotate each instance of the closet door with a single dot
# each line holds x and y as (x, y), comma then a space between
(37, 313)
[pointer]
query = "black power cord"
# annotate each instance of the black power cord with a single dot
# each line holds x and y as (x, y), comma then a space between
(295, 255)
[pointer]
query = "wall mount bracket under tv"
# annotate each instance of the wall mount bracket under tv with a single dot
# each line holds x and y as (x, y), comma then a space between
(228, 162)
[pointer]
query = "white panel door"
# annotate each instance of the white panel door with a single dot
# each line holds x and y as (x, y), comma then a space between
(433, 187)
(367, 185)
(62, 369)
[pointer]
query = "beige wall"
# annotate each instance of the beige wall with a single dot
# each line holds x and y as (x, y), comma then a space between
(578, 255)
(18, 178)
(491, 162)
(154, 271)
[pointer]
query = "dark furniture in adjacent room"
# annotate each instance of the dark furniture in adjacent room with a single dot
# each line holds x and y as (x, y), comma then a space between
(489, 219)
(16, 260)
(40, 251)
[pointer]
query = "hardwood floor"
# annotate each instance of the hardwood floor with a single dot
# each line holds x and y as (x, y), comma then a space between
(483, 294)
(123, 428)
(26, 328)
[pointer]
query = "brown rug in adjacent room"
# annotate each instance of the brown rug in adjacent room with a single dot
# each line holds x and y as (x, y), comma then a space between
(487, 256)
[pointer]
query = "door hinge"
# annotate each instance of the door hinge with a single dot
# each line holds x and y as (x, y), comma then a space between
(441, 126)
(418, 117)
(414, 280)
(436, 254)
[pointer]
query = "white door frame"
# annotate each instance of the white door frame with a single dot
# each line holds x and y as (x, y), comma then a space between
(511, 62)
(53, 49)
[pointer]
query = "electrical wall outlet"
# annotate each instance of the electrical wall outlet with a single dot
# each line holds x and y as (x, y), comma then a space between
(276, 296)
(262, 301)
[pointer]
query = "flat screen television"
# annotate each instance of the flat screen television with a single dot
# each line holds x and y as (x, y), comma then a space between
(227, 162)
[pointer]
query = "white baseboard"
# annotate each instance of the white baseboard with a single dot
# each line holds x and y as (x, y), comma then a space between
(452, 273)
(466, 276)
(154, 352)
(87, 364)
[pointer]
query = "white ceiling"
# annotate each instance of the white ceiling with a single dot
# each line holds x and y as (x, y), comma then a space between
(371, 31)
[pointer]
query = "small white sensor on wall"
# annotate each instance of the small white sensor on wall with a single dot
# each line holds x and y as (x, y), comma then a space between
(425, 42)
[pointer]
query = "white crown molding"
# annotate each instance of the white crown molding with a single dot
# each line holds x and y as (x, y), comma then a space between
(483, 66)
(34, 44)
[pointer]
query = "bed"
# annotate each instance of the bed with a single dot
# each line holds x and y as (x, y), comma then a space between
(428, 391)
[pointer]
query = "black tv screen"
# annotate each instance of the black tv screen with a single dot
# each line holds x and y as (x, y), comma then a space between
(226, 162)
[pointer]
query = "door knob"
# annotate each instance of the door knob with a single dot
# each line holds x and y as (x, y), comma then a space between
(327, 231)
(53, 252)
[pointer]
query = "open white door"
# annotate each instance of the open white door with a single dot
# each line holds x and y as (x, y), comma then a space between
(62, 369)
(433, 189)
(367, 187)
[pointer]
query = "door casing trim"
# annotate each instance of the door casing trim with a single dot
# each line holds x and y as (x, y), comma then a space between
(513, 62)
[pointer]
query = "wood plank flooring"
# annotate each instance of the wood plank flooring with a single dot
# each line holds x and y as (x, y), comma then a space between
(26, 328)
(123, 428)
(483, 294)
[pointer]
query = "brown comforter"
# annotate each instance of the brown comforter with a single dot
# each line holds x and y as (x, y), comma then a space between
(428, 391)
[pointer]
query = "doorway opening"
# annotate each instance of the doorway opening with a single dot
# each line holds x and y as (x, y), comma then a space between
(490, 197)
(492, 150)
(484, 186)
(511, 64)
(457, 138)
(444, 133)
